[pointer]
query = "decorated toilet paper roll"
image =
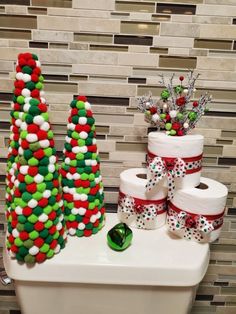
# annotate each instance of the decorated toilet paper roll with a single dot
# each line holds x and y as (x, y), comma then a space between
(174, 161)
(197, 213)
(138, 208)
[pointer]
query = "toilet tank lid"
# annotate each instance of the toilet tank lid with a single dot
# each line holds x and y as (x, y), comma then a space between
(155, 258)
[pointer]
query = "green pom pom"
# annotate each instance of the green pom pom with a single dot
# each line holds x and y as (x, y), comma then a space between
(29, 259)
(71, 217)
(168, 126)
(43, 170)
(80, 105)
(20, 100)
(27, 69)
(18, 242)
(180, 116)
(179, 89)
(50, 254)
(37, 196)
(162, 116)
(75, 119)
(33, 161)
(80, 156)
(34, 102)
(47, 210)
(50, 134)
(34, 56)
(44, 161)
(23, 251)
(34, 146)
(81, 142)
(172, 132)
(73, 103)
(79, 233)
(29, 227)
(41, 187)
(82, 113)
(30, 85)
(192, 116)
(39, 85)
(29, 119)
(26, 197)
(41, 78)
(22, 219)
(45, 116)
(29, 179)
(90, 121)
(75, 135)
(37, 210)
(28, 243)
(33, 235)
(43, 234)
(48, 151)
(34, 111)
(165, 94)
(44, 248)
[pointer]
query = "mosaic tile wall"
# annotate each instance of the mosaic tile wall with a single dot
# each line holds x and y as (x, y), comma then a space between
(113, 51)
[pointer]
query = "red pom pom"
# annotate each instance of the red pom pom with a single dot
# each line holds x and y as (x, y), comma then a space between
(96, 224)
(180, 133)
(27, 211)
(51, 143)
(52, 215)
(34, 78)
(68, 197)
(21, 177)
(16, 137)
(85, 183)
(176, 126)
(11, 239)
(72, 170)
(43, 202)
(17, 193)
(39, 154)
(17, 107)
(39, 241)
(55, 183)
(52, 230)
(17, 92)
(102, 210)
(180, 101)
(31, 188)
(77, 183)
(14, 248)
(33, 128)
(32, 171)
(89, 113)
(74, 112)
(24, 144)
(37, 71)
(42, 107)
(35, 93)
(87, 233)
(20, 84)
(42, 135)
(22, 62)
(14, 223)
(23, 235)
(168, 117)
(153, 110)
(40, 257)
(31, 63)
(82, 98)
(18, 69)
(38, 226)
(86, 220)
(53, 244)
(195, 104)
(181, 78)
(73, 142)
(70, 119)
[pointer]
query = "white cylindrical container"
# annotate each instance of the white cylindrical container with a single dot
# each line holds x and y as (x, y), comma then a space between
(197, 213)
(188, 148)
(138, 208)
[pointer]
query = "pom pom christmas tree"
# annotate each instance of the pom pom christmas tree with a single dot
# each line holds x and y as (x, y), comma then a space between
(36, 227)
(81, 178)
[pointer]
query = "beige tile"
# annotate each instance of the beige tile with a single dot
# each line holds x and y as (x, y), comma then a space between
(78, 12)
(229, 151)
(127, 156)
(83, 57)
(140, 16)
(108, 89)
(94, 4)
(212, 19)
(15, 33)
(6, 85)
(136, 6)
(138, 49)
(169, 29)
(16, 9)
(222, 10)
(78, 46)
(6, 66)
(127, 130)
(177, 62)
(182, 18)
(166, 41)
(97, 38)
(110, 119)
(12, 53)
(178, 51)
(217, 31)
(137, 59)
(52, 36)
(106, 146)
(216, 63)
(99, 25)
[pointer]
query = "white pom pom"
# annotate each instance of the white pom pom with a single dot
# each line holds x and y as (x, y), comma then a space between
(87, 105)
(75, 211)
(24, 169)
(43, 100)
(57, 248)
(76, 176)
(69, 176)
(21, 115)
(93, 218)
(155, 117)
(45, 126)
(81, 211)
(26, 77)
(94, 141)
(52, 159)
(31, 137)
(76, 196)
(186, 125)
(43, 217)
(18, 210)
(59, 226)
(20, 151)
(15, 233)
(25, 92)
(66, 189)
(84, 197)
(38, 178)
(26, 107)
(18, 122)
(39, 120)
(32, 203)
(44, 143)
(185, 91)
(20, 76)
(38, 64)
(27, 99)
(17, 183)
(98, 215)
(47, 193)
(67, 139)
(94, 162)
(83, 135)
(173, 113)
(24, 126)
(81, 226)
(67, 160)
(42, 93)
(72, 231)
(51, 168)
(33, 250)
(71, 126)
(82, 120)
(88, 162)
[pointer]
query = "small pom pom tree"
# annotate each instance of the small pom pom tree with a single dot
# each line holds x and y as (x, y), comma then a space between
(81, 179)
(36, 227)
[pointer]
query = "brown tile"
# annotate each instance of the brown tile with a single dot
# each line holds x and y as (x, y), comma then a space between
(58, 46)
(108, 101)
(176, 8)
(133, 40)
(108, 48)
(158, 50)
(61, 87)
(212, 44)
(55, 77)
(213, 150)
(131, 147)
(135, 6)
(19, 2)
(177, 62)
(160, 17)
(100, 38)
(136, 80)
(38, 44)
(227, 161)
(53, 3)
(75, 77)
(37, 11)
(18, 21)
(225, 133)
(15, 33)
(145, 28)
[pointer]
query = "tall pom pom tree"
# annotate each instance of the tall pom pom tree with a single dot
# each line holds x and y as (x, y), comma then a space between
(36, 227)
(81, 179)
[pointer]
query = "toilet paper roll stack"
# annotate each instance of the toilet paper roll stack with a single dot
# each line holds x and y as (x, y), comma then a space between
(136, 207)
(174, 161)
(197, 213)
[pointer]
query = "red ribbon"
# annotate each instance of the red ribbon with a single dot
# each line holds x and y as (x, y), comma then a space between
(139, 203)
(193, 216)
(168, 160)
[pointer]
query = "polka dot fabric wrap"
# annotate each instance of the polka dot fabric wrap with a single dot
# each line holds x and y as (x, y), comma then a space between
(81, 179)
(34, 206)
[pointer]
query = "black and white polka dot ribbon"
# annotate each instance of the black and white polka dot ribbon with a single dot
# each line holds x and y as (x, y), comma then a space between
(169, 167)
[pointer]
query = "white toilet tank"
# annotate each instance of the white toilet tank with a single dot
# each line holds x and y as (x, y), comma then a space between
(157, 274)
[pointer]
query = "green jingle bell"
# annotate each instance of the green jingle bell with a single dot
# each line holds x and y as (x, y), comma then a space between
(119, 237)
